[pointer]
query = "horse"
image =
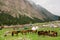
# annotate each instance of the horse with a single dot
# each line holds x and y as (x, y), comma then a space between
(53, 34)
(23, 31)
(15, 32)
(40, 32)
(43, 33)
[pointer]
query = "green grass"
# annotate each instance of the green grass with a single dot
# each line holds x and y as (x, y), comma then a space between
(29, 36)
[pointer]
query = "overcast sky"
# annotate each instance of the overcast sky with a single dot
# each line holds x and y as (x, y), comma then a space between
(51, 5)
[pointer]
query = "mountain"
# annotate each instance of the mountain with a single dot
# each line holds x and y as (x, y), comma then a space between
(48, 15)
(24, 11)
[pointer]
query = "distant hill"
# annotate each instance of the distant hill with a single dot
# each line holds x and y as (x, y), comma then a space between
(23, 11)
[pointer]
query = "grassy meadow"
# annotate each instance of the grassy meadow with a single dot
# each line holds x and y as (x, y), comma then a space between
(31, 36)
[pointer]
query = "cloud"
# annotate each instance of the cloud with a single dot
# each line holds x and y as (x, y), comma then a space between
(51, 5)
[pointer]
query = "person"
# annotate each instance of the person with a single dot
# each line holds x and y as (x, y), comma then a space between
(33, 28)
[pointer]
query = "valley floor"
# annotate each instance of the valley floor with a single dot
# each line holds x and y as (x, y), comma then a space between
(29, 36)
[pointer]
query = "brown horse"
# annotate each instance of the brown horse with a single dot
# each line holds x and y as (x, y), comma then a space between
(40, 32)
(15, 32)
(43, 33)
(53, 34)
(23, 31)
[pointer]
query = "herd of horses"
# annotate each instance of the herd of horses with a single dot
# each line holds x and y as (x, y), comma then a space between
(44, 33)
(48, 33)
(23, 32)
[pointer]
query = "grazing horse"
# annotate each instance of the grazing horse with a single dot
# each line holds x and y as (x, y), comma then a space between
(53, 34)
(15, 32)
(23, 31)
(43, 33)
(40, 32)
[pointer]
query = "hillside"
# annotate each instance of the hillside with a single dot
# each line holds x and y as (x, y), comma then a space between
(23, 11)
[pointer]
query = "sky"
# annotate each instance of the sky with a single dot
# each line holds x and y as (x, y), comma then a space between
(51, 5)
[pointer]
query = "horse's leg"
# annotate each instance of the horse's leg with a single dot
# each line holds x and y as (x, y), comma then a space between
(12, 34)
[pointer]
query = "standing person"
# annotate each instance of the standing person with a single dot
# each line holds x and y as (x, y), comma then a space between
(33, 28)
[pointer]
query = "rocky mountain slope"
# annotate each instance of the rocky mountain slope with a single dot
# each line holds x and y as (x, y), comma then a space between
(18, 8)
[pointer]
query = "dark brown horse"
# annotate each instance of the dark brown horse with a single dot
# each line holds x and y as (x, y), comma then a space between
(43, 33)
(15, 32)
(53, 34)
(40, 32)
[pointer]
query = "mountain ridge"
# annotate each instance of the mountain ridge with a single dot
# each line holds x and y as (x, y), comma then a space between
(18, 8)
